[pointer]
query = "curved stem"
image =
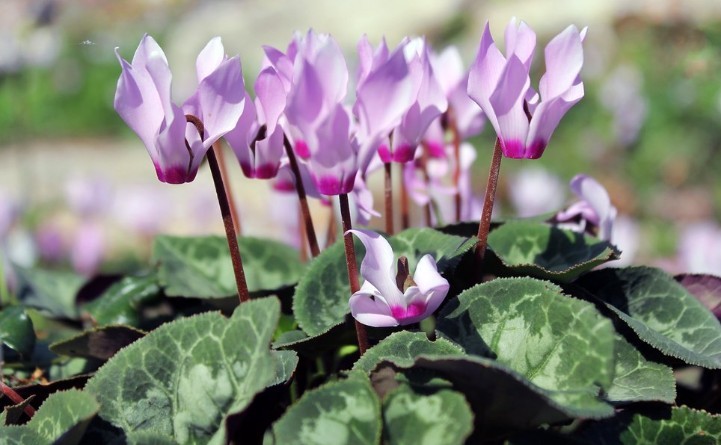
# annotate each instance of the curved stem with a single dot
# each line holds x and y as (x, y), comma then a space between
(485, 224)
(352, 267)
(309, 228)
(235, 258)
(456, 139)
(16, 399)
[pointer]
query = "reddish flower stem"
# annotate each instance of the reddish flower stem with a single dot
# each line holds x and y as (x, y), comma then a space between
(485, 224)
(405, 205)
(17, 399)
(350, 261)
(225, 212)
(388, 197)
(309, 228)
(218, 148)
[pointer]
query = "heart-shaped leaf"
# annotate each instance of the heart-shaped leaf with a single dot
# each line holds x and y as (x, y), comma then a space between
(544, 251)
(52, 291)
(321, 298)
(440, 418)
(559, 343)
(16, 330)
(402, 348)
(120, 302)
(661, 312)
(637, 379)
(62, 419)
(101, 343)
(201, 266)
(664, 426)
(185, 377)
(342, 412)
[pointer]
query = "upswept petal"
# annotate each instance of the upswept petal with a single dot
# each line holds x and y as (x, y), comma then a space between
(306, 104)
(484, 75)
(378, 266)
(564, 59)
(429, 280)
(282, 64)
(222, 99)
(174, 161)
(521, 42)
(333, 159)
(384, 96)
(209, 58)
(240, 138)
(272, 96)
(448, 69)
(507, 103)
(138, 104)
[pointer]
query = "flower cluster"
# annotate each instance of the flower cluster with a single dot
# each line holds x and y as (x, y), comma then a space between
(411, 105)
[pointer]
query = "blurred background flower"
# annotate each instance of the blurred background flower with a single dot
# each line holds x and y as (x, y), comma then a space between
(648, 128)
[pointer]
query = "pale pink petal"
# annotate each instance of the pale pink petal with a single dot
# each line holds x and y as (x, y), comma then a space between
(222, 99)
(484, 75)
(370, 310)
(591, 191)
(209, 58)
(379, 266)
(564, 59)
(520, 41)
(271, 95)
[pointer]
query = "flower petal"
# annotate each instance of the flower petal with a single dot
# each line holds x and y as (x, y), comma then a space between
(368, 309)
(222, 99)
(209, 58)
(378, 266)
(271, 95)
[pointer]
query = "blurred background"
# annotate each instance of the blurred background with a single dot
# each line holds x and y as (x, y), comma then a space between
(77, 189)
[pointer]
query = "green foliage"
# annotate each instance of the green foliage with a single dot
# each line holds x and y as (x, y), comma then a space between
(184, 378)
(51, 291)
(16, 330)
(440, 418)
(342, 412)
(661, 312)
(121, 302)
(61, 420)
(541, 250)
(558, 343)
(402, 348)
(670, 426)
(201, 266)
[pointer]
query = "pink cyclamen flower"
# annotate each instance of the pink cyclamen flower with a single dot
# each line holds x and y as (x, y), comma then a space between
(595, 208)
(380, 302)
(501, 87)
(143, 101)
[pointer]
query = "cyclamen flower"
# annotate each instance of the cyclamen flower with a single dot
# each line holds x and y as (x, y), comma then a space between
(501, 87)
(382, 301)
(143, 100)
(595, 208)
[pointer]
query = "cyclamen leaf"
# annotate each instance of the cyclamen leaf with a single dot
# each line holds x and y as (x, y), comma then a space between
(184, 378)
(342, 412)
(441, 418)
(661, 312)
(637, 379)
(49, 290)
(561, 344)
(201, 266)
(543, 251)
(402, 348)
(119, 303)
(16, 330)
(321, 298)
(668, 426)
(62, 419)
(101, 343)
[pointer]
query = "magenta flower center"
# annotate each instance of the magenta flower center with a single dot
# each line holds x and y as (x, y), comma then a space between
(401, 313)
